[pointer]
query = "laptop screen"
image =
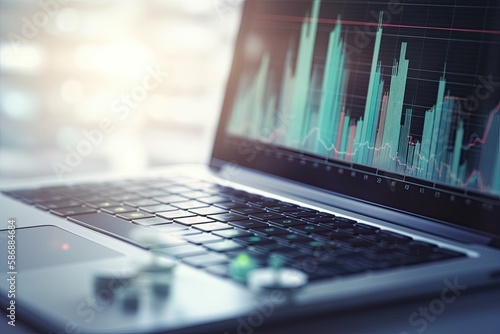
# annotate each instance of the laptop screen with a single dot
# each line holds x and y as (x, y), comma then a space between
(390, 102)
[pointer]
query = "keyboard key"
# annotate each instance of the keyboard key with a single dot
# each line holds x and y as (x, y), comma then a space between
(183, 250)
(302, 214)
(148, 193)
(356, 242)
(254, 240)
(125, 197)
(246, 224)
(269, 230)
(212, 226)
(158, 208)
(135, 215)
(119, 209)
(291, 237)
(206, 260)
(228, 217)
(232, 233)
(194, 220)
(319, 219)
(212, 210)
(192, 204)
(335, 235)
(286, 222)
(267, 216)
(248, 210)
(281, 208)
(170, 199)
(308, 229)
(231, 205)
(141, 202)
(203, 238)
(224, 246)
(311, 244)
(65, 212)
(175, 214)
(103, 204)
(151, 221)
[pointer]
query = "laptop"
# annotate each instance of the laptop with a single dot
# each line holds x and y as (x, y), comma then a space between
(356, 162)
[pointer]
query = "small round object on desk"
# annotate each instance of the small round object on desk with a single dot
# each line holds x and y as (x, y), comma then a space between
(108, 282)
(284, 279)
(159, 276)
(241, 266)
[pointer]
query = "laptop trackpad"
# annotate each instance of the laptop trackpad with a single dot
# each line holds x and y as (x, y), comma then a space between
(45, 246)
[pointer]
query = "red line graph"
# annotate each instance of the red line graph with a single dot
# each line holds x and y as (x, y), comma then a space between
(488, 127)
(287, 18)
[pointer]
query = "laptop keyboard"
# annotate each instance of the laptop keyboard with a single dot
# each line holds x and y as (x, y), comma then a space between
(214, 224)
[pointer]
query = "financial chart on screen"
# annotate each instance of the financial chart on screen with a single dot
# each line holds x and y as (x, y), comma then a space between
(407, 88)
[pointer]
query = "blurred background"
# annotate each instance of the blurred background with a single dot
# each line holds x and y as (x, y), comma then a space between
(108, 85)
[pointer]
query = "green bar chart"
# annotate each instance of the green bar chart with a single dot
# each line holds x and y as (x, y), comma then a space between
(306, 110)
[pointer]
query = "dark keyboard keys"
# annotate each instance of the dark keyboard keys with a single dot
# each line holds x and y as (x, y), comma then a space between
(213, 223)
(254, 240)
(286, 222)
(247, 224)
(228, 217)
(308, 229)
(249, 210)
(269, 230)
(291, 237)
(231, 205)
(267, 216)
